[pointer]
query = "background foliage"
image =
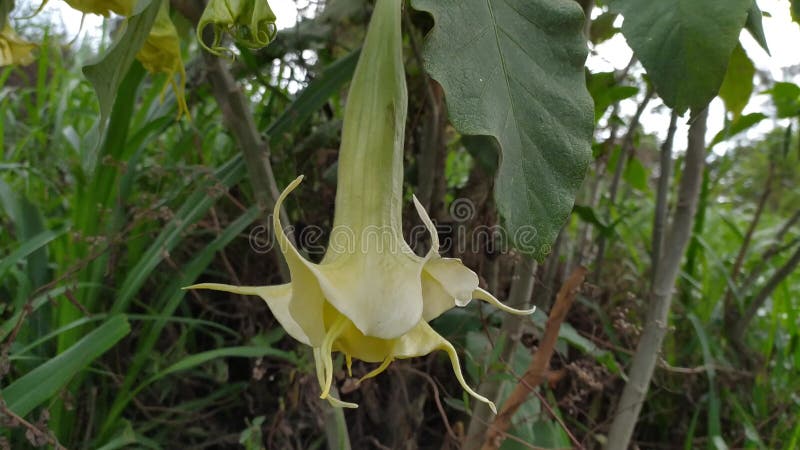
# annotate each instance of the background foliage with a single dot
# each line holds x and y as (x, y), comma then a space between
(101, 224)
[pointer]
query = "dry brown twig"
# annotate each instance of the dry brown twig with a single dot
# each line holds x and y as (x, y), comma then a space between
(37, 434)
(535, 374)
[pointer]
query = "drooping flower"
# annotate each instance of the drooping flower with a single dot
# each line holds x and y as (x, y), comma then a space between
(250, 22)
(101, 7)
(371, 297)
(13, 49)
(161, 53)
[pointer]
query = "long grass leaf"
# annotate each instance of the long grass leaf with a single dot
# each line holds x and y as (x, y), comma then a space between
(40, 384)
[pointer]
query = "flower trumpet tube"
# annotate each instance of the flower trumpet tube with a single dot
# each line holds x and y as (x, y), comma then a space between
(161, 53)
(371, 297)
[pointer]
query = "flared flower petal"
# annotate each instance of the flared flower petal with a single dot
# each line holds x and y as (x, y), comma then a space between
(277, 299)
(307, 301)
(250, 22)
(13, 49)
(377, 285)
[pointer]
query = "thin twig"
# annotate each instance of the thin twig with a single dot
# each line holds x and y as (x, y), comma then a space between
(626, 151)
(536, 370)
(436, 397)
(731, 310)
(662, 201)
(739, 329)
(36, 431)
(775, 249)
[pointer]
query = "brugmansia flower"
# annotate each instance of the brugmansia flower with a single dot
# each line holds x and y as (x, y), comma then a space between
(102, 7)
(13, 49)
(250, 22)
(161, 53)
(371, 297)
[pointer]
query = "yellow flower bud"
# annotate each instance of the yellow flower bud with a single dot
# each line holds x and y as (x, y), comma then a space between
(250, 22)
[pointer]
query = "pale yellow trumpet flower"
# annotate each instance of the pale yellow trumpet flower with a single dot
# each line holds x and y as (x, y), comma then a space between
(371, 297)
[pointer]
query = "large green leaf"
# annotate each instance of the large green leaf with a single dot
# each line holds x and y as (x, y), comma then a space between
(684, 45)
(513, 70)
(738, 83)
(107, 72)
(38, 385)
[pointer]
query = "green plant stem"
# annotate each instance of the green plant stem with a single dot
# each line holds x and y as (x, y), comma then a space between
(649, 347)
(662, 201)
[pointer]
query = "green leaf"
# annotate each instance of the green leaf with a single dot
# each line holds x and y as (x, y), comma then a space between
(107, 72)
(28, 223)
(576, 340)
(590, 216)
(27, 248)
(605, 92)
(684, 45)
(738, 83)
(513, 70)
(796, 10)
(636, 175)
(786, 97)
(737, 126)
(603, 28)
(168, 301)
(38, 385)
(198, 203)
(755, 26)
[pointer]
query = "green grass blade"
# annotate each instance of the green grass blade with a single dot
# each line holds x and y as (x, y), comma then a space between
(28, 247)
(37, 386)
(192, 361)
(714, 422)
(192, 210)
(170, 299)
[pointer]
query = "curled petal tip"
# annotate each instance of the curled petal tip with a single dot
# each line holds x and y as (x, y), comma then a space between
(493, 408)
(482, 294)
(336, 403)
